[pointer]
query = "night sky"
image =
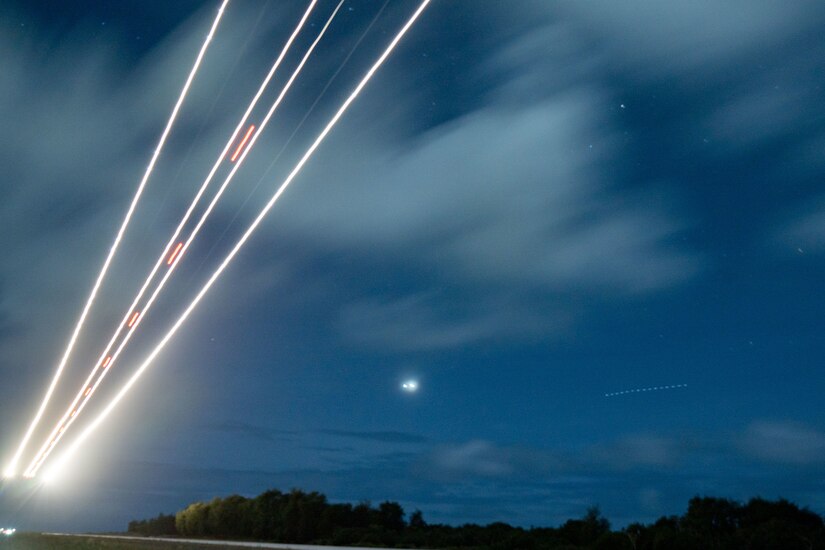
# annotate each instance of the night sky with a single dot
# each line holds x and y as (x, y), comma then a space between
(533, 204)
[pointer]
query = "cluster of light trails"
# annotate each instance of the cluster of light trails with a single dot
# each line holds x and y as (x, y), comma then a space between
(176, 249)
(88, 387)
(62, 460)
(642, 390)
(56, 436)
(11, 469)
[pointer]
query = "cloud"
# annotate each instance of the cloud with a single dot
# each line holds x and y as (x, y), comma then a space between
(643, 452)
(474, 458)
(662, 36)
(806, 230)
(508, 196)
(639, 451)
(268, 435)
(515, 202)
(784, 442)
(378, 436)
(423, 322)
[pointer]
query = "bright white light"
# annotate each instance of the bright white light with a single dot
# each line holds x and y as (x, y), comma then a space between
(8, 472)
(410, 386)
(51, 474)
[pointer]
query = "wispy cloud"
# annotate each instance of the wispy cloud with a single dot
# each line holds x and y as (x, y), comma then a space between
(804, 232)
(256, 432)
(784, 442)
(378, 436)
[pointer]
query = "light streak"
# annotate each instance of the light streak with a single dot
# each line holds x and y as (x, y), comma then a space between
(174, 254)
(641, 390)
(76, 333)
(106, 362)
(133, 319)
(90, 429)
(242, 143)
(295, 131)
(43, 454)
(182, 223)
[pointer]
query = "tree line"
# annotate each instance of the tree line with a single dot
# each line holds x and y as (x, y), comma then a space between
(301, 517)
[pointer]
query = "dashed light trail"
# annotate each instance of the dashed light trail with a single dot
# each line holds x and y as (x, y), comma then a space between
(11, 468)
(642, 390)
(90, 429)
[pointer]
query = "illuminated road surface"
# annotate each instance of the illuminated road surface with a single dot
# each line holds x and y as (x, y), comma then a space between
(224, 543)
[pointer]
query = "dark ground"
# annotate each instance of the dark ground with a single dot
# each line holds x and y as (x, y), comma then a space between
(30, 541)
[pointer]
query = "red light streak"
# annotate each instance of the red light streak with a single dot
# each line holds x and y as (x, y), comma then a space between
(106, 362)
(242, 143)
(133, 319)
(174, 254)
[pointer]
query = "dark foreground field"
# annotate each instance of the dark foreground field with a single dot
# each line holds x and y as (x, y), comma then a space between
(27, 541)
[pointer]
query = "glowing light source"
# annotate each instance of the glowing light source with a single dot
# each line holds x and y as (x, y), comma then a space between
(410, 386)
(242, 143)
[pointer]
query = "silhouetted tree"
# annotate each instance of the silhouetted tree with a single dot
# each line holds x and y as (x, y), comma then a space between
(300, 517)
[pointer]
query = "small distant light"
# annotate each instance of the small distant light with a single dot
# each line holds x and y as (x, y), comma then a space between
(410, 386)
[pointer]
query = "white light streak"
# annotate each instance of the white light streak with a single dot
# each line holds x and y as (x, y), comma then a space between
(179, 251)
(642, 390)
(13, 464)
(41, 457)
(90, 429)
